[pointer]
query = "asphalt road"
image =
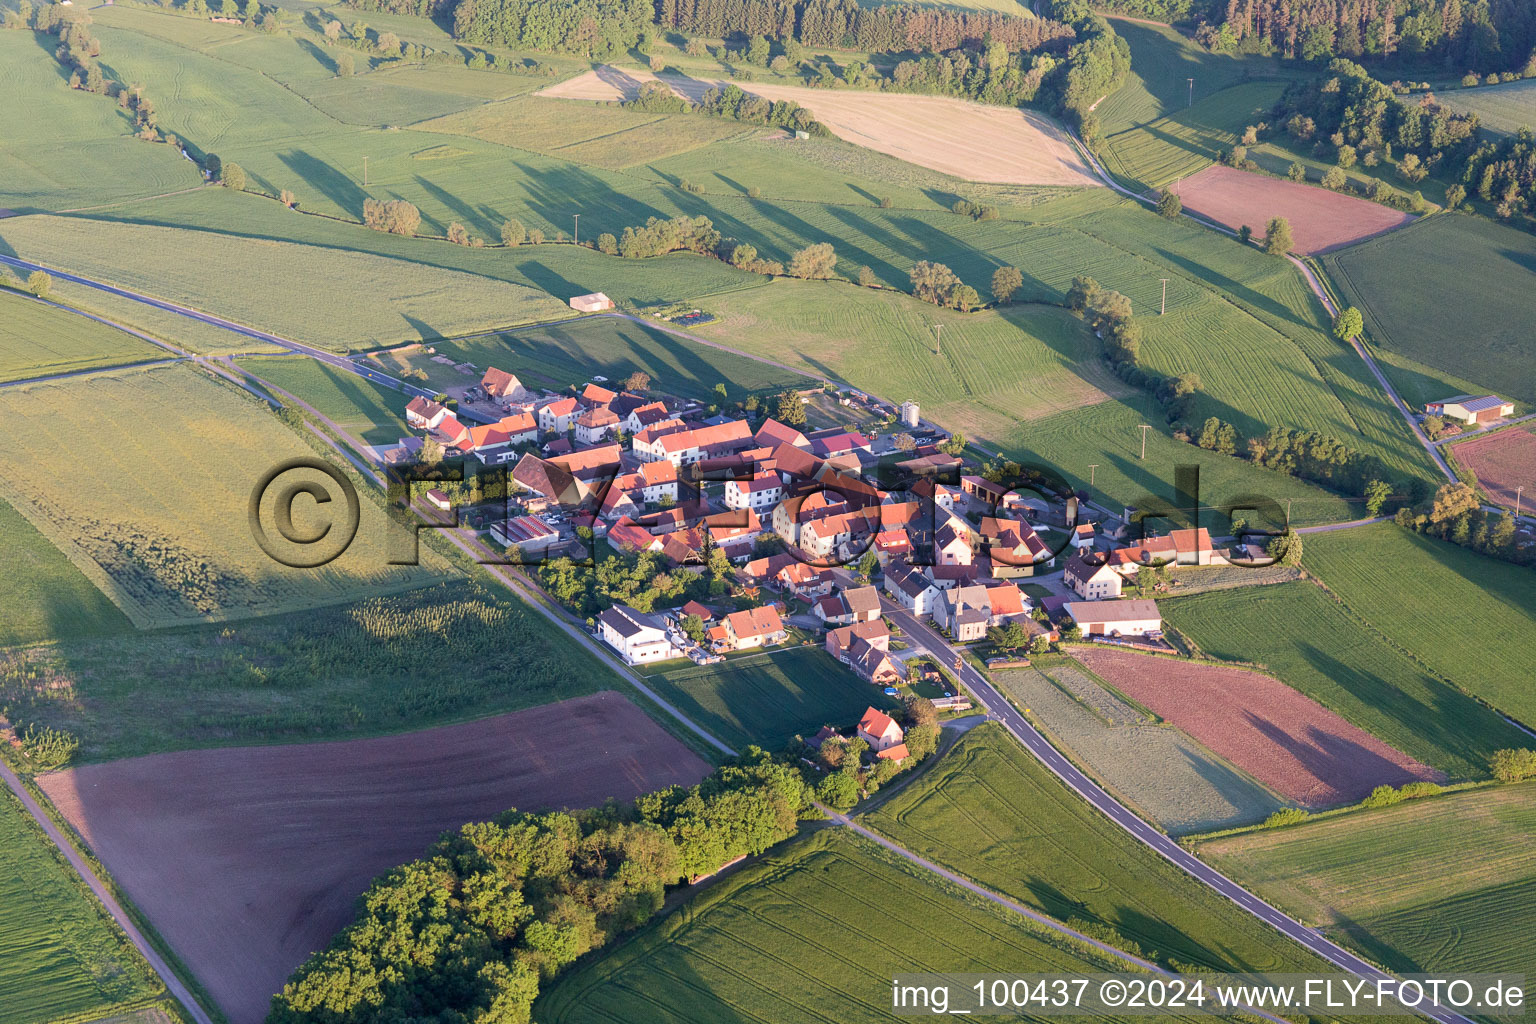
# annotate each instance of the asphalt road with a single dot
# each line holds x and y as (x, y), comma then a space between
(1002, 711)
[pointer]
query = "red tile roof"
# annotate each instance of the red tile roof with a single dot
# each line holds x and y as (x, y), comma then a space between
(499, 382)
(594, 395)
(752, 622)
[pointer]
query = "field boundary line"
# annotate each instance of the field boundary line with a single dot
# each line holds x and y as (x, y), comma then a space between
(172, 981)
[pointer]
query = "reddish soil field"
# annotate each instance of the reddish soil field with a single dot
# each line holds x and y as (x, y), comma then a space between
(248, 859)
(1286, 740)
(1320, 220)
(1503, 462)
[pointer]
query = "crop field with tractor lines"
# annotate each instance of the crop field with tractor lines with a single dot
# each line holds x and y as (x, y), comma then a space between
(1397, 883)
(153, 508)
(1312, 643)
(991, 812)
(811, 933)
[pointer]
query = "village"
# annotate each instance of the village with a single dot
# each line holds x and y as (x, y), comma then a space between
(810, 551)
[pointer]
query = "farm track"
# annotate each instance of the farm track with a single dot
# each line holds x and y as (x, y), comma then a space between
(1318, 290)
(1016, 725)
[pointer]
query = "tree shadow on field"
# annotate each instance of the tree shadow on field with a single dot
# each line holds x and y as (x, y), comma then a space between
(1250, 801)
(461, 210)
(1244, 293)
(557, 191)
(324, 59)
(336, 185)
(550, 280)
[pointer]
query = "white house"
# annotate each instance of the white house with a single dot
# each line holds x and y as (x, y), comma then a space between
(1092, 578)
(595, 424)
(910, 588)
(761, 491)
(636, 636)
(424, 414)
(1115, 618)
(557, 417)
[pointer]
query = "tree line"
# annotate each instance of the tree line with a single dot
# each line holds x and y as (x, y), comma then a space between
(595, 28)
(472, 930)
(847, 25)
(79, 51)
(1456, 514)
(1358, 118)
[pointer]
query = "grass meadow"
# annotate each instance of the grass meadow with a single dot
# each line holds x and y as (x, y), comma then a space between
(383, 664)
(362, 408)
(1400, 582)
(990, 811)
(1439, 885)
(1450, 292)
(326, 297)
(1316, 645)
(1504, 108)
(1156, 128)
(152, 505)
(558, 355)
(812, 932)
(767, 699)
(37, 340)
(45, 595)
(1169, 777)
(61, 957)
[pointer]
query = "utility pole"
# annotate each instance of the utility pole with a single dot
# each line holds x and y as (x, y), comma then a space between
(938, 339)
(1287, 513)
(576, 230)
(1191, 92)
(365, 172)
(1091, 467)
(1144, 428)
(1164, 308)
(1517, 503)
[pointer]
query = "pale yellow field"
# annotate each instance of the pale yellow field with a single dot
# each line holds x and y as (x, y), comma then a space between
(972, 141)
(142, 478)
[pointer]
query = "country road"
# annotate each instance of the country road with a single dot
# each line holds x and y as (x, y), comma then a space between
(923, 636)
(1317, 289)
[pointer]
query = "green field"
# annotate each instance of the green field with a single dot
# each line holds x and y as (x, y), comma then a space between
(1398, 581)
(60, 955)
(990, 811)
(325, 297)
(384, 664)
(1416, 285)
(1442, 885)
(63, 149)
(767, 699)
(1318, 647)
(1504, 108)
(1156, 128)
(360, 407)
(1157, 769)
(45, 596)
(559, 355)
(153, 505)
(811, 934)
(37, 340)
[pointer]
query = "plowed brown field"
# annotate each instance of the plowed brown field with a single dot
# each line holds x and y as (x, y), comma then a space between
(1320, 220)
(1503, 462)
(1286, 740)
(248, 859)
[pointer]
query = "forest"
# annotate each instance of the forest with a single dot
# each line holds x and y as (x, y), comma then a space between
(471, 930)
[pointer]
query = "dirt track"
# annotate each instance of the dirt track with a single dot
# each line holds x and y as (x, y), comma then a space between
(1281, 737)
(1320, 220)
(972, 141)
(248, 859)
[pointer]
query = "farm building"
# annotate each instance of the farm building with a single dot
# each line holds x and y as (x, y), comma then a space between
(635, 635)
(526, 533)
(437, 499)
(1115, 618)
(1472, 410)
(594, 303)
(910, 416)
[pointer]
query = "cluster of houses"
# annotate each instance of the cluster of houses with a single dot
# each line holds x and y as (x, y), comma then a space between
(788, 508)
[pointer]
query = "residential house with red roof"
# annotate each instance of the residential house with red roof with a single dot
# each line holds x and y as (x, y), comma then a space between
(880, 731)
(758, 492)
(500, 384)
(596, 424)
(910, 588)
(772, 433)
(593, 396)
(424, 414)
(753, 627)
(1091, 577)
(642, 416)
(685, 447)
(558, 416)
